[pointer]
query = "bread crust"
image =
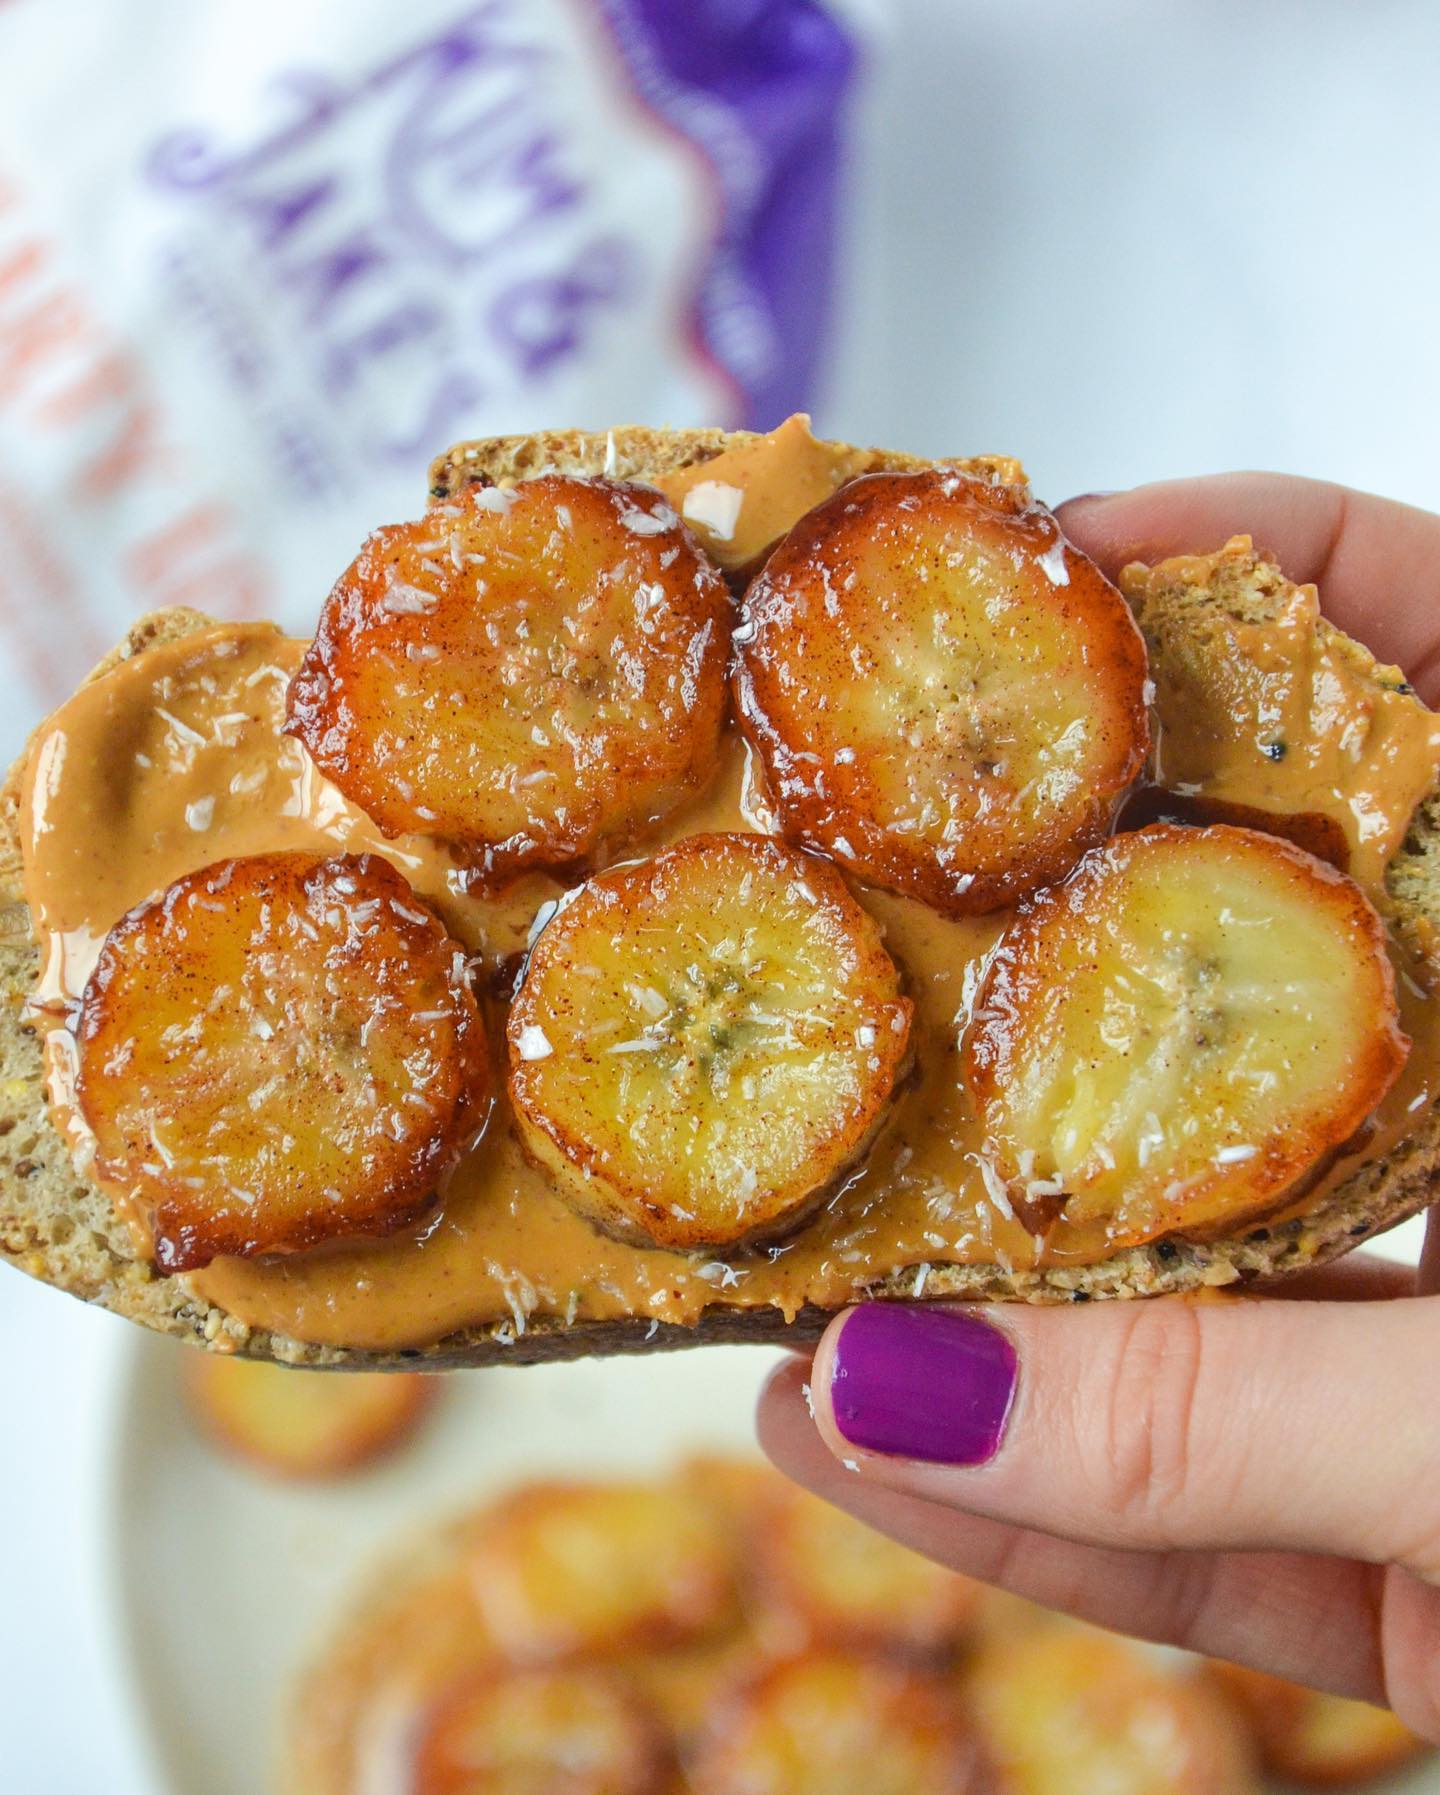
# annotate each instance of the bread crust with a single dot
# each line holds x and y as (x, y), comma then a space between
(60, 1229)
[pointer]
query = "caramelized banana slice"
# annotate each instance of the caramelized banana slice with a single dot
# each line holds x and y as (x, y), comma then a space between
(1318, 1740)
(560, 1569)
(1072, 1708)
(529, 673)
(541, 1732)
(737, 1491)
(704, 1041)
(846, 1584)
(307, 1424)
(829, 1724)
(946, 696)
(279, 1051)
(1180, 1033)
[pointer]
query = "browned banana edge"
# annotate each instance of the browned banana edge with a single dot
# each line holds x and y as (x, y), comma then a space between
(61, 1229)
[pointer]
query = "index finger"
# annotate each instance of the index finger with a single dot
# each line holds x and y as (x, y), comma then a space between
(1376, 562)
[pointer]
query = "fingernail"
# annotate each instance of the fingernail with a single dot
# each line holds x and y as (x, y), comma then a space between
(933, 1384)
(1084, 498)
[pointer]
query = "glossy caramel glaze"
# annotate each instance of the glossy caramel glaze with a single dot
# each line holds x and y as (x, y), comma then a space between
(277, 1051)
(530, 675)
(1176, 1037)
(697, 1072)
(946, 697)
(176, 759)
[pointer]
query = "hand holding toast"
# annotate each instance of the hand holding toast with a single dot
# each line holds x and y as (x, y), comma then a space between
(1251, 1478)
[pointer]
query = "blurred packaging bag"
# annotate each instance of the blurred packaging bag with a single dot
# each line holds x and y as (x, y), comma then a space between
(259, 262)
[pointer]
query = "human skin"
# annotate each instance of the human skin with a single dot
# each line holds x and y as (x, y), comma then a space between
(1254, 1478)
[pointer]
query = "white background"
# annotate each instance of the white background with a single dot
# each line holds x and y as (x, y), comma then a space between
(1120, 241)
(1131, 241)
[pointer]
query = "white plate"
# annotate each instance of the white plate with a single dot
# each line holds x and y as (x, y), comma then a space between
(223, 1583)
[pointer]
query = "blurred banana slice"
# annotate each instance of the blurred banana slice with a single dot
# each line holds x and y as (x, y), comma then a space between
(1320, 1741)
(566, 1568)
(304, 1424)
(529, 673)
(945, 695)
(541, 1732)
(830, 1724)
(845, 1584)
(279, 1051)
(1181, 1032)
(1070, 1708)
(703, 1042)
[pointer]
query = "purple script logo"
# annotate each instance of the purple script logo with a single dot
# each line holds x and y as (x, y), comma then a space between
(410, 248)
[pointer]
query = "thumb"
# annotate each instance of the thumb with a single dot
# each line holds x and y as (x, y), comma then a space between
(1163, 1424)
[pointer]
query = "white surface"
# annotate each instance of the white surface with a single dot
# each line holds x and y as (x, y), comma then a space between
(225, 1581)
(1122, 241)
(59, 1365)
(1128, 240)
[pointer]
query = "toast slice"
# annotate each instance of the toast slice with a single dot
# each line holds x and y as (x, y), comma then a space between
(59, 1228)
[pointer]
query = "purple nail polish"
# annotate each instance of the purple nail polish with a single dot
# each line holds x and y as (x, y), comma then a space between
(933, 1384)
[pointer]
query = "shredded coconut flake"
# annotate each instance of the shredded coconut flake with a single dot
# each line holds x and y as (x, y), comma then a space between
(493, 498)
(715, 506)
(183, 730)
(533, 1043)
(994, 1185)
(408, 601)
(640, 522)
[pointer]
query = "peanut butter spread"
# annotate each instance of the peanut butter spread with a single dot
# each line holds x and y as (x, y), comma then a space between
(1277, 715)
(176, 759)
(744, 501)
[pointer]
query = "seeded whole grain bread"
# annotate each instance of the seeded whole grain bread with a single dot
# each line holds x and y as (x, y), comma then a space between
(59, 1228)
